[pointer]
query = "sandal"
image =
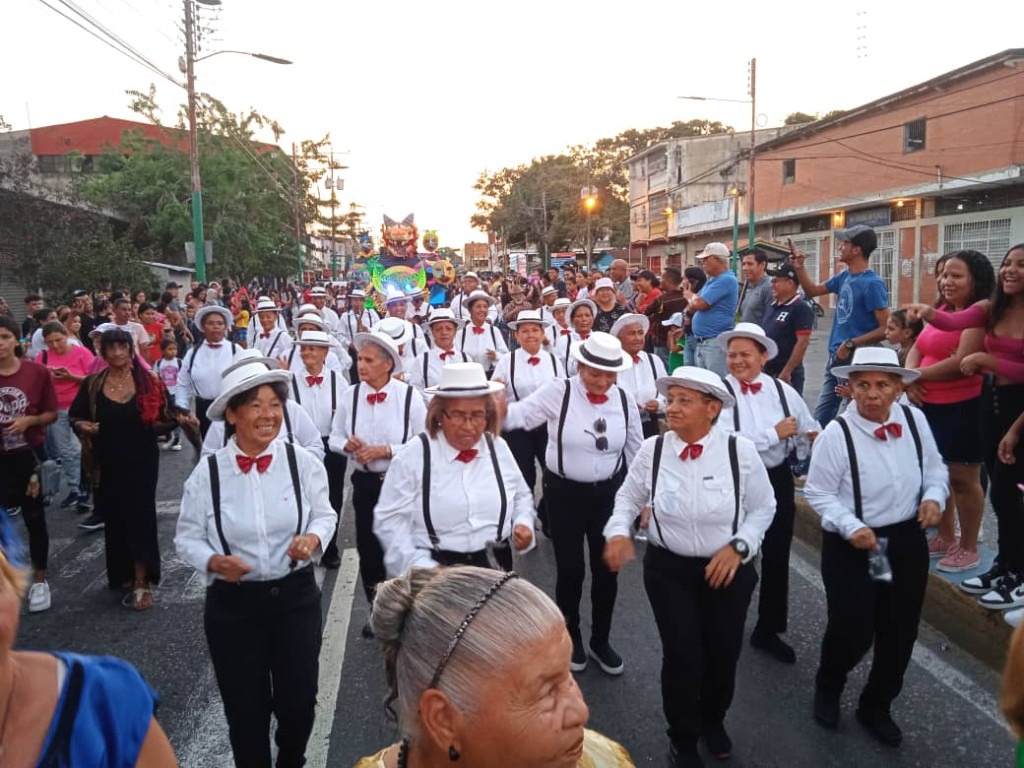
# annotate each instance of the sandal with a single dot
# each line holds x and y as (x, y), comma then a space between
(139, 599)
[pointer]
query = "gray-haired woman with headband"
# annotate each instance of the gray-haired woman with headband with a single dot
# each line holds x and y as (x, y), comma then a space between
(453, 636)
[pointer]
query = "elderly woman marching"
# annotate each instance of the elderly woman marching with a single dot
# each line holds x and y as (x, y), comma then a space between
(559, 323)
(311, 320)
(270, 336)
(877, 488)
(253, 516)
(711, 503)
(376, 416)
(203, 364)
(480, 338)
(593, 434)
(452, 637)
(425, 370)
(772, 416)
(455, 496)
(581, 317)
(641, 380)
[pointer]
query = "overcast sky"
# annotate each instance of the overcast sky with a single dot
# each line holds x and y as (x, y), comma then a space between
(424, 96)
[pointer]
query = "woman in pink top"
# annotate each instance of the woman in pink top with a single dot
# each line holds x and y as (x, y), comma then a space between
(68, 364)
(1002, 317)
(951, 402)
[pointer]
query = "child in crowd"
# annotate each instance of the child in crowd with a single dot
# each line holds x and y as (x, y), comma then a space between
(901, 332)
(154, 326)
(167, 368)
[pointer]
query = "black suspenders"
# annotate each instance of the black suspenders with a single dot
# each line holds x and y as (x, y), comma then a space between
(428, 522)
(736, 411)
(334, 392)
(561, 427)
(408, 409)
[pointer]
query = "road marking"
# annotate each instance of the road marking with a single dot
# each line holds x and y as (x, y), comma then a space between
(332, 656)
(925, 658)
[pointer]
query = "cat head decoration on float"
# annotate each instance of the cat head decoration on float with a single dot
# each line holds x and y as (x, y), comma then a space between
(396, 270)
(400, 237)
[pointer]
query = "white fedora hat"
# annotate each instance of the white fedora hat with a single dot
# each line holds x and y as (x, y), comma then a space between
(751, 331)
(248, 370)
(474, 275)
(102, 328)
(879, 359)
(310, 318)
(603, 352)
(700, 379)
(464, 380)
(630, 318)
(548, 290)
(396, 329)
(383, 341)
(394, 295)
(356, 293)
(211, 309)
(310, 309)
(561, 303)
(444, 315)
(317, 290)
(316, 339)
(265, 304)
(529, 316)
(603, 282)
(721, 250)
(582, 303)
(478, 296)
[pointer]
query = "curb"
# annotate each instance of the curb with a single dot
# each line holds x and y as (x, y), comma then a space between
(977, 630)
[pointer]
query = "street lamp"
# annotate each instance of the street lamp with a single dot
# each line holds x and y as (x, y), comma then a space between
(198, 238)
(588, 203)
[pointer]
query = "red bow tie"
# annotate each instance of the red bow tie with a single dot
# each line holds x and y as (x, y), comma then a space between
(446, 355)
(245, 463)
(896, 430)
(466, 456)
(597, 399)
(264, 335)
(565, 332)
(746, 388)
(478, 329)
(636, 359)
(311, 380)
(584, 336)
(691, 451)
(213, 346)
(533, 360)
(376, 397)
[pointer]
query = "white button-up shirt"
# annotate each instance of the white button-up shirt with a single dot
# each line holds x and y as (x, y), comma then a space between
(760, 412)
(304, 432)
(276, 344)
(527, 378)
(581, 460)
(337, 359)
(641, 380)
(465, 505)
(349, 324)
(317, 400)
(890, 480)
(382, 423)
(695, 504)
(203, 378)
(425, 370)
(563, 349)
(553, 334)
(258, 512)
(476, 344)
(463, 314)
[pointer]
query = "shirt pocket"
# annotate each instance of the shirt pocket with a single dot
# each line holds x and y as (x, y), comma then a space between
(716, 500)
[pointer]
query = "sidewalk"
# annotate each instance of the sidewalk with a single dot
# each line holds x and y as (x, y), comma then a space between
(978, 630)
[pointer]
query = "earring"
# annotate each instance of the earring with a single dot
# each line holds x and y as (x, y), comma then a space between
(453, 753)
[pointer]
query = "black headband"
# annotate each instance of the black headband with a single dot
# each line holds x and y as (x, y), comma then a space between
(591, 357)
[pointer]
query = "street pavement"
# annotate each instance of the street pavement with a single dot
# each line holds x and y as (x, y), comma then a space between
(948, 710)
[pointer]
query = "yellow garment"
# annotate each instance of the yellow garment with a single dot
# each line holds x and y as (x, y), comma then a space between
(598, 752)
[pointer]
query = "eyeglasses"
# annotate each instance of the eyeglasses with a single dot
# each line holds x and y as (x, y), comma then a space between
(476, 417)
(600, 439)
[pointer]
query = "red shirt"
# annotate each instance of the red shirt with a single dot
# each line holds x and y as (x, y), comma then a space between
(78, 361)
(27, 392)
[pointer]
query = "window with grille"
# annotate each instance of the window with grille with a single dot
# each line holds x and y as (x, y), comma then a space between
(991, 237)
(788, 171)
(883, 261)
(812, 247)
(914, 135)
(51, 163)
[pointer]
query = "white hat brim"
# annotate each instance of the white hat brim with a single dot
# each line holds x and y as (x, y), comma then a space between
(459, 321)
(268, 309)
(844, 371)
(630, 318)
(209, 309)
(543, 322)
(216, 410)
(769, 344)
(579, 354)
(484, 391)
(718, 392)
(466, 302)
(582, 303)
(307, 320)
(362, 339)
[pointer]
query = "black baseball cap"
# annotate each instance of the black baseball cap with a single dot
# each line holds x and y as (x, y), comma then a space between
(785, 269)
(860, 235)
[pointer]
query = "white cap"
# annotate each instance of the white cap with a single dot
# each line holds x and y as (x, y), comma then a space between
(721, 250)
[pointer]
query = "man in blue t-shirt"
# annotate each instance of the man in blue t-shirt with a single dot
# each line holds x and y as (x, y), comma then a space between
(714, 308)
(861, 312)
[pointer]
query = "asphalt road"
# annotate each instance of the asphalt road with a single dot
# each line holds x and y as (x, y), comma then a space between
(948, 710)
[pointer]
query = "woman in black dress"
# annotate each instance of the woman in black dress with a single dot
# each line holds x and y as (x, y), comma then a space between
(119, 412)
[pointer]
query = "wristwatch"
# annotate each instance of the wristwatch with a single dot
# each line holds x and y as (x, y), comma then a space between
(850, 344)
(740, 547)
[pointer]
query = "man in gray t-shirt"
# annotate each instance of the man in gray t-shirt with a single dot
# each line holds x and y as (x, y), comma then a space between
(756, 297)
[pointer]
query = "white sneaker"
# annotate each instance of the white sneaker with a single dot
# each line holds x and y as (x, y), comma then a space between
(39, 597)
(1009, 594)
(1015, 617)
(176, 446)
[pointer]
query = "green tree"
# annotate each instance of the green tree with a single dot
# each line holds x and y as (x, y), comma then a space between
(798, 118)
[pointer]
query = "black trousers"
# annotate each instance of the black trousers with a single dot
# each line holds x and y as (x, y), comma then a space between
(336, 464)
(701, 632)
(503, 555)
(773, 603)
(202, 406)
(365, 493)
(863, 612)
(1001, 409)
(16, 469)
(528, 447)
(577, 512)
(264, 640)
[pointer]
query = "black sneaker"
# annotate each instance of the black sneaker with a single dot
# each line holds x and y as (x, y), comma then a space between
(92, 523)
(606, 657)
(331, 561)
(578, 663)
(772, 644)
(70, 501)
(367, 631)
(1009, 594)
(14, 511)
(84, 505)
(718, 742)
(826, 709)
(685, 757)
(881, 726)
(985, 582)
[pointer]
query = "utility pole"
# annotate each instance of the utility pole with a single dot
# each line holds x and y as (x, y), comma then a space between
(298, 211)
(544, 235)
(334, 242)
(753, 132)
(198, 238)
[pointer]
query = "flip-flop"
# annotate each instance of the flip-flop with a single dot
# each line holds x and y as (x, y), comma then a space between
(139, 599)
